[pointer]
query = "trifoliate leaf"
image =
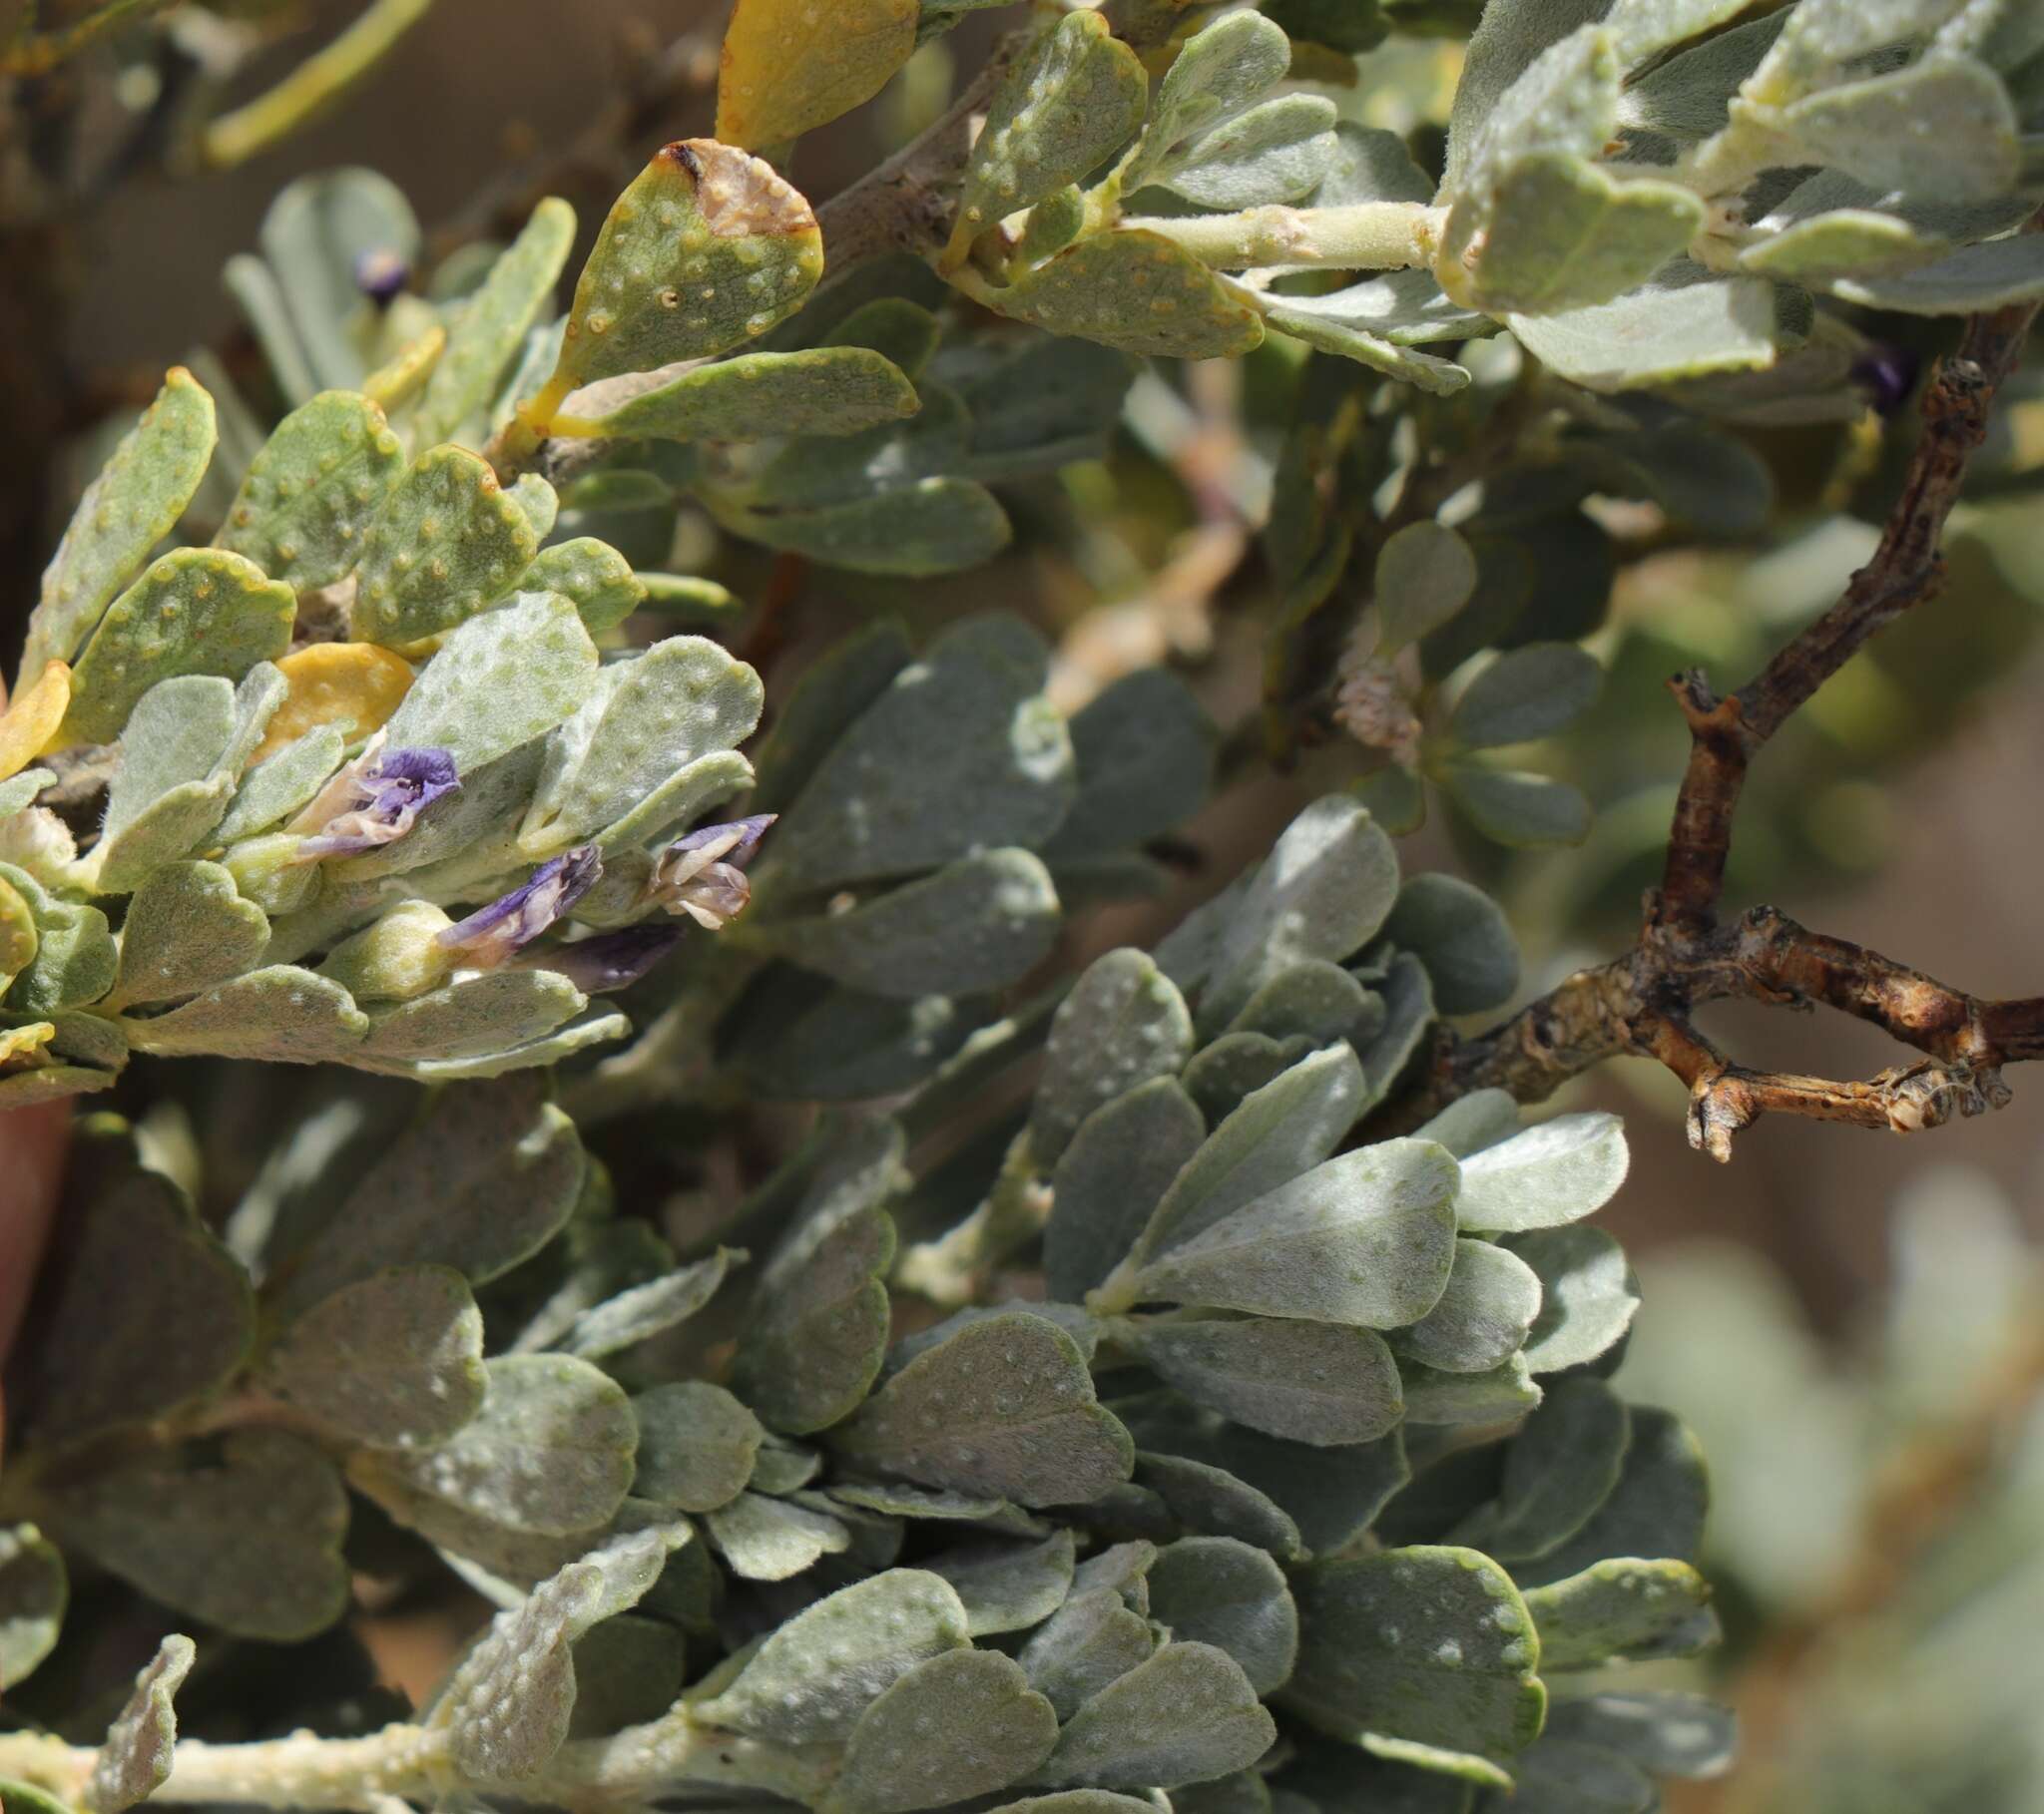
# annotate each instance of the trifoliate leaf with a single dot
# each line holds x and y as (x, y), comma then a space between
(1656, 1510)
(1588, 1295)
(135, 1761)
(244, 1534)
(484, 1178)
(706, 248)
(1315, 1383)
(394, 1360)
(348, 687)
(186, 929)
(960, 752)
(126, 510)
(959, 1725)
(499, 681)
(1216, 1591)
(1613, 1610)
(1481, 1318)
(788, 67)
(1558, 1172)
(1109, 1178)
(823, 390)
(493, 324)
(1004, 1407)
(309, 498)
(1220, 73)
(1008, 1587)
(1186, 1714)
(1366, 1238)
(1066, 104)
(551, 1452)
(447, 541)
(1425, 1645)
(34, 1590)
(976, 925)
(814, 1678)
(697, 1446)
(1092, 1640)
(1434, 1396)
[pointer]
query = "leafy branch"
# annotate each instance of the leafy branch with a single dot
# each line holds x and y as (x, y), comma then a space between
(1641, 1003)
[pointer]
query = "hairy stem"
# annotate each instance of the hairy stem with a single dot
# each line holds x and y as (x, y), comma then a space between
(1365, 236)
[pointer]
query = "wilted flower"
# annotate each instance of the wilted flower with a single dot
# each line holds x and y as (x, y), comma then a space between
(607, 960)
(703, 874)
(373, 801)
(493, 933)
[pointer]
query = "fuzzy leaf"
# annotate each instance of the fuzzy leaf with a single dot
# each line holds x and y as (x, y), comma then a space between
(1558, 1469)
(1425, 574)
(1218, 74)
(697, 1446)
(1186, 1714)
(1656, 1510)
(1134, 290)
(1434, 1396)
(1975, 277)
(1008, 1587)
(1425, 1645)
(472, 1016)
(1122, 1026)
(1111, 1176)
(648, 1310)
(245, 1536)
(1528, 692)
(280, 784)
(1214, 1589)
(75, 957)
(394, 1360)
(1090, 1640)
(1004, 1407)
(832, 694)
(126, 510)
(599, 580)
(1317, 1383)
(1588, 1295)
(135, 1761)
(1565, 1778)
(1482, 1317)
(34, 1590)
(1687, 324)
(1667, 1734)
(1614, 1609)
(706, 248)
(309, 496)
(1521, 811)
(956, 1726)
(824, 390)
(1366, 1238)
(1279, 150)
(348, 687)
(1213, 1502)
(1558, 1172)
(447, 541)
(930, 526)
(788, 67)
(814, 1678)
(1463, 937)
(186, 929)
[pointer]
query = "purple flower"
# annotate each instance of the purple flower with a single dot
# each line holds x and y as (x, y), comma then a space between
(496, 932)
(703, 874)
(380, 276)
(1888, 373)
(607, 960)
(373, 801)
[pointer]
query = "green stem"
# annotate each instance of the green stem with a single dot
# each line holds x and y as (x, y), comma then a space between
(1364, 235)
(949, 1270)
(315, 84)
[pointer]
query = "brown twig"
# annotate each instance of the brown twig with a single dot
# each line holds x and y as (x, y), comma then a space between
(1641, 1004)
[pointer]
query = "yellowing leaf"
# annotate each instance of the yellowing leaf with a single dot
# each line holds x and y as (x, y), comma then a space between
(355, 685)
(21, 1044)
(31, 721)
(792, 64)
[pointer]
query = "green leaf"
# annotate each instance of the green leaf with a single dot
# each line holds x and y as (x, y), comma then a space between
(1426, 1645)
(1667, 1734)
(1656, 1510)
(1558, 1172)
(1558, 1469)
(1685, 323)
(134, 1760)
(1528, 692)
(1434, 1396)
(1005, 1407)
(394, 1360)
(905, 332)
(697, 1446)
(1067, 104)
(788, 69)
(508, 1705)
(648, 1310)
(484, 1178)
(765, 1539)
(961, 1724)
(1424, 575)
(1122, 1026)
(26, 1798)
(1316, 1001)
(706, 248)
(1319, 1383)
(961, 751)
(1463, 937)
(594, 576)
(280, 786)
(174, 735)
(930, 526)
(1588, 1295)
(1131, 289)
(74, 959)
(1185, 1714)
(1044, 404)
(1008, 1587)
(1557, 1777)
(1280, 1132)
(1521, 810)
(1614, 1609)
(447, 541)
(309, 496)
(186, 929)
(1323, 892)
(499, 681)
(814, 1678)
(550, 1453)
(1275, 152)
(628, 1671)
(1218, 73)
(1482, 1317)
(493, 324)
(472, 1016)
(126, 510)
(832, 694)
(1211, 1500)
(313, 237)
(280, 1013)
(1945, 128)
(1216, 1591)
(34, 1590)
(824, 390)
(1366, 1238)
(242, 1533)
(977, 924)
(135, 1265)
(1973, 279)
(1375, 323)
(1145, 753)
(1094, 1638)
(835, 1045)
(1111, 1176)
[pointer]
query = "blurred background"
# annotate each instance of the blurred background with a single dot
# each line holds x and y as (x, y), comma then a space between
(1851, 1321)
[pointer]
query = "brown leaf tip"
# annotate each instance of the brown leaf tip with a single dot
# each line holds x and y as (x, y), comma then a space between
(742, 196)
